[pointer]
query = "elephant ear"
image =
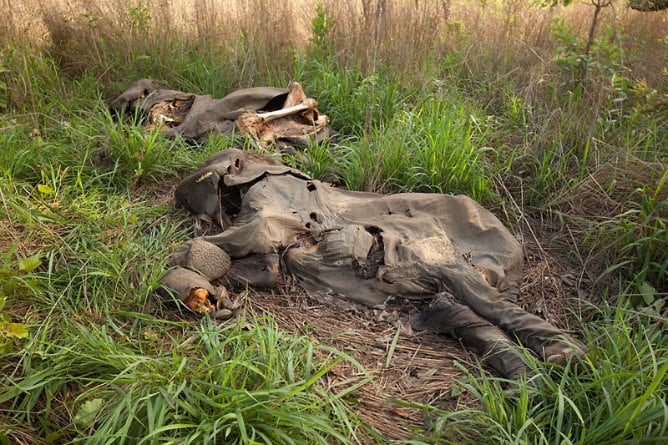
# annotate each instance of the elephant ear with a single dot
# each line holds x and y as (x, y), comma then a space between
(135, 94)
(199, 193)
(215, 189)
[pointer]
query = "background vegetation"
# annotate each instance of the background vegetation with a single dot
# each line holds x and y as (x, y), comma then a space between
(555, 120)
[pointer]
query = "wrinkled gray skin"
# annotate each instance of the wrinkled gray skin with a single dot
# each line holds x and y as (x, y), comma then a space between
(369, 247)
(206, 115)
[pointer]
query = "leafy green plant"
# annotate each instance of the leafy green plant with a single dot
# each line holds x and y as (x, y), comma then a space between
(141, 16)
(568, 55)
(321, 26)
(12, 285)
(9, 330)
(651, 302)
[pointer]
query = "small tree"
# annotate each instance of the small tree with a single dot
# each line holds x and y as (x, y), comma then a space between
(639, 5)
(598, 7)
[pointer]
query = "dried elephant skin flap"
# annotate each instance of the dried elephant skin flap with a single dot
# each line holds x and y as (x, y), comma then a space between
(211, 190)
(368, 246)
(194, 117)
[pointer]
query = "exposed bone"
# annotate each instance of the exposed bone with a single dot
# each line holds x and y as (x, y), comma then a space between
(198, 301)
(169, 113)
(297, 119)
(308, 104)
(265, 127)
(296, 95)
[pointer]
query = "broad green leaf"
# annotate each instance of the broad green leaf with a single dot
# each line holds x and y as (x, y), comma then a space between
(648, 293)
(87, 412)
(45, 189)
(16, 330)
(53, 437)
(4, 440)
(29, 264)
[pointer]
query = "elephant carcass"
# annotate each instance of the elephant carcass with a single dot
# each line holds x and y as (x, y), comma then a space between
(368, 247)
(271, 116)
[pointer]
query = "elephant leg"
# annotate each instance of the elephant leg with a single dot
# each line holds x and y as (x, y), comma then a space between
(198, 294)
(548, 341)
(260, 271)
(447, 316)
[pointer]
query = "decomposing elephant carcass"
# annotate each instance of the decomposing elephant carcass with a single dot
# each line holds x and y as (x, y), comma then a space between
(366, 247)
(270, 116)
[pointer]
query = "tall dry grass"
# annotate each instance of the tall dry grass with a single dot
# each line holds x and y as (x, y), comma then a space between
(493, 49)
(498, 37)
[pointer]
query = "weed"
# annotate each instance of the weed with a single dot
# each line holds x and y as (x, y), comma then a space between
(10, 331)
(321, 26)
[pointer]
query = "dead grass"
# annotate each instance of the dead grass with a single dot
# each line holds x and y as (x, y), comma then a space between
(500, 38)
(419, 369)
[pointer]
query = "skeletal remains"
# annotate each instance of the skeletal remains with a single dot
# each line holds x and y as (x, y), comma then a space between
(285, 117)
(277, 222)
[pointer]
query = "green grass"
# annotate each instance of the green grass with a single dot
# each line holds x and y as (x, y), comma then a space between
(102, 363)
(396, 138)
(616, 395)
(86, 232)
(100, 353)
(139, 379)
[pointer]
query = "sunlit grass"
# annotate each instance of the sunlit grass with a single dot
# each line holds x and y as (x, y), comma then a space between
(616, 395)
(136, 379)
